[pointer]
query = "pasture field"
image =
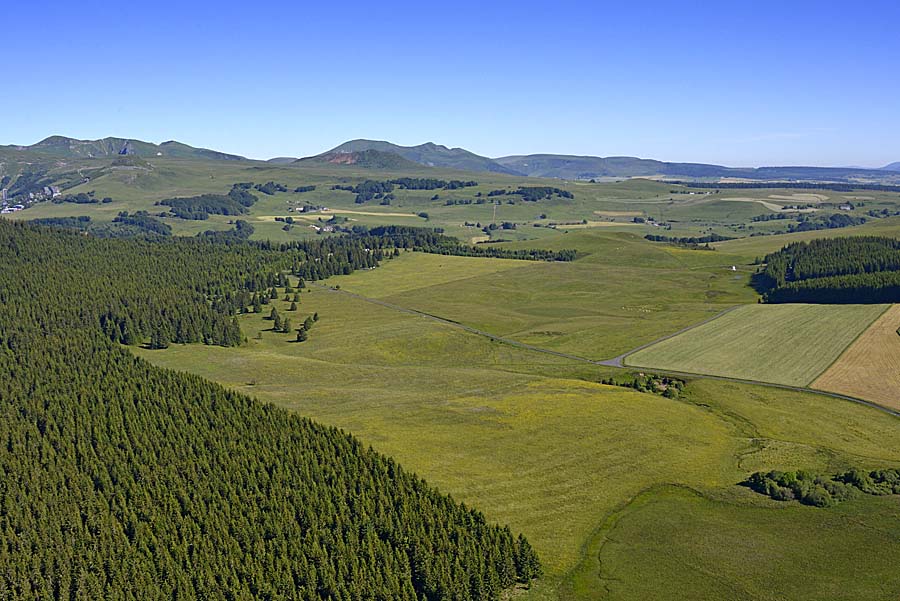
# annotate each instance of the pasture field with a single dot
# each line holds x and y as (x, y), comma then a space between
(782, 344)
(533, 442)
(757, 552)
(623, 291)
(870, 368)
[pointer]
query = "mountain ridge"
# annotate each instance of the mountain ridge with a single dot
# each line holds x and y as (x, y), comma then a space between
(429, 154)
(65, 147)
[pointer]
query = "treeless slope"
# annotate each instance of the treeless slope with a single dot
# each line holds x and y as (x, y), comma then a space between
(870, 368)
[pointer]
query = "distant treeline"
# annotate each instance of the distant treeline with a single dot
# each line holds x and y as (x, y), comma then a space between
(534, 193)
(82, 198)
(854, 269)
(806, 223)
(122, 480)
(374, 189)
(430, 241)
(688, 240)
(236, 202)
(821, 490)
(270, 188)
(790, 185)
(124, 225)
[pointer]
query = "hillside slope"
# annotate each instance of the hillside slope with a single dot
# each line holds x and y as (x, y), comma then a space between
(127, 481)
(369, 159)
(430, 154)
(71, 148)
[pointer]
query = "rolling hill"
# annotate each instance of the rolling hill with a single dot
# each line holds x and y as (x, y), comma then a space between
(587, 167)
(71, 148)
(892, 167)
(369, 159)
(430, 154)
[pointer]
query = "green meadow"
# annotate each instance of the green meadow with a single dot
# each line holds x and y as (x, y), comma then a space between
(598, 477)
(624, 495)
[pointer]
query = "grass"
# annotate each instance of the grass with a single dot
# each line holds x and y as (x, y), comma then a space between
(622, 292)
(524, 437)
(870, 368)
(545, 454)
(701, 547)
(783, 344)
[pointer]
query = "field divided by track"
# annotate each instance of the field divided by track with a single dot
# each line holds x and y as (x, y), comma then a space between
(782, 344)
(870, 368)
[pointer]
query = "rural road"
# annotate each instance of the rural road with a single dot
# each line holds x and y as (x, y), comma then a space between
(616, 361)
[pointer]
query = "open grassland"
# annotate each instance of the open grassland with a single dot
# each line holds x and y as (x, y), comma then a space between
(756, 553)
(622, 292)
(870, 368)
(524, 437)
(468, 415)
(783, 344)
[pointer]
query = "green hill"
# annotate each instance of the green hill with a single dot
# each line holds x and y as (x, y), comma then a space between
(589, 167)
(71, 148)
(368, 159)
(429, 154)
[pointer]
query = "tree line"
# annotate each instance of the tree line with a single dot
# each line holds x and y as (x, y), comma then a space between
(236, 202)
(127, 481)
(855, 269)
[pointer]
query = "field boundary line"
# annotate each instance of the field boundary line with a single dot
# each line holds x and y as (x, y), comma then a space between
(612, 362)
(852, 342)
(620, 360)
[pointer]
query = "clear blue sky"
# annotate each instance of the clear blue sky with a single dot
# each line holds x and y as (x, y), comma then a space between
(748, 83)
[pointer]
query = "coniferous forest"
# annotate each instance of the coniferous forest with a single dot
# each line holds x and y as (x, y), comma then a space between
(121, 480)
(834, 270)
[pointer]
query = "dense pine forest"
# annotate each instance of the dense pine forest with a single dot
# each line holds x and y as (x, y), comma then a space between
(126, 481)
(835, 270)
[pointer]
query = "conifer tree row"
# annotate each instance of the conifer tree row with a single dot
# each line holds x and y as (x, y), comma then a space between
(122, 480)
(834, 270)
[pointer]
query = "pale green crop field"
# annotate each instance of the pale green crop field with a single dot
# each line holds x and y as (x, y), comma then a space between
(782, 344)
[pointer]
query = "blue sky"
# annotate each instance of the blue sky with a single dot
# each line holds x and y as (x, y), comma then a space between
(749, 83)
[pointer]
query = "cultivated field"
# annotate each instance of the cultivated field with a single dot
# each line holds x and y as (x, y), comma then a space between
(870, 368)
(782, 344)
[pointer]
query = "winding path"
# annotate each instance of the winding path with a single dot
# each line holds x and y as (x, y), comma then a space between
(615, 361)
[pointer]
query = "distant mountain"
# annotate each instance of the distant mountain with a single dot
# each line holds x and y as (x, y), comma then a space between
(368, 159)
(430, 154)
(63, 147)
(892, 167)
(588, 167)
(282, 160)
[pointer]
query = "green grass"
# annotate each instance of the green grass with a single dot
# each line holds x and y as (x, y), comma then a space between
(466, 414)
(622, 292)
(678, 544)
(525, 438)
(783, 344)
